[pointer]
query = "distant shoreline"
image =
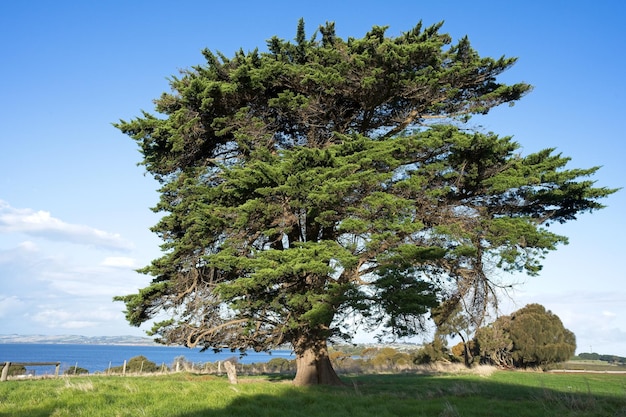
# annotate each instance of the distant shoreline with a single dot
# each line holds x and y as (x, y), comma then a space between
(77, 340)
(128, 340)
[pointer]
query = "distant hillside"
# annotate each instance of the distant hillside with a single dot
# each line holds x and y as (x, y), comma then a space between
(75, 339)
(620, 360)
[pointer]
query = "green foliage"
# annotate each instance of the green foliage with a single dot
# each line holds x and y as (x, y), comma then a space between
(494, 343)
(136, 364)
(75, 370)
(306, 185)
(389, 358)
(15, 370)
(600, 357)
(539, 337)
(459, 351)
(435, 351)
(451, 319)
(280, 365)
(531, 336)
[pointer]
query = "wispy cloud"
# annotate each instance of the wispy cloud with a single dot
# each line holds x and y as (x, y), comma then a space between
(41, 292)
(42, 224)
(66, 319)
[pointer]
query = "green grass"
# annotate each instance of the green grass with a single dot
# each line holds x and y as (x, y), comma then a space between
(589, 365)
(449, 395)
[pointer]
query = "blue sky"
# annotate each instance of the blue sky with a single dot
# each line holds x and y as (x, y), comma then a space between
(74, 205)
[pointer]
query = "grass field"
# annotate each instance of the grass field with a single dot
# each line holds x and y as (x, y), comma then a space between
(596, 366)
(500, 393)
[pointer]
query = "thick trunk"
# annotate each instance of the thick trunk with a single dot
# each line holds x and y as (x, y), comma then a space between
(314, 367)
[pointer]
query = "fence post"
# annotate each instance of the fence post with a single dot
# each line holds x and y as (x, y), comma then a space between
(57, 368)
(231, 371)
(5, 371)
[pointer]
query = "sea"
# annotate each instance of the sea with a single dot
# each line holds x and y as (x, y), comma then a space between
(98, 358)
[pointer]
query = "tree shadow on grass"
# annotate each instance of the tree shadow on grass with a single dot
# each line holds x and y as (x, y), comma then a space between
(279, 377)
(419, 395)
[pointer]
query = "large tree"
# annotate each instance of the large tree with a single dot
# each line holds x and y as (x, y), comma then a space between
(328, 183)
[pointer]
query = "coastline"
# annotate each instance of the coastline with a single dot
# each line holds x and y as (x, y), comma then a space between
(125, 340)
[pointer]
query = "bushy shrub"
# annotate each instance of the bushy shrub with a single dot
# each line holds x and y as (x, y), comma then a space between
(136, 364)
(436, 351)
(75, 370)
(280, 365)
(530, 336)
(15, 370)
(539, 337)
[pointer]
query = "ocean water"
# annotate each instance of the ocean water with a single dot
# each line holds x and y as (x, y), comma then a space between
(97, 358)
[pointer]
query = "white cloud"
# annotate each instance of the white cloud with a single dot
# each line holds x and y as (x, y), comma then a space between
(59, 288)
(79, 281)
(118, 262)
(81, 318)
(43, 224)
(21, 251)
(28, 246)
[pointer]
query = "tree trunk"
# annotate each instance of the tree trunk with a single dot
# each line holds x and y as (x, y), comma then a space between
(467, 354)
(468, 358)
(231, 371)
(313, 366)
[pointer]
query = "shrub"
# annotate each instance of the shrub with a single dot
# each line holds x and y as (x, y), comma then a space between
(75, 370)
(136, 364)
(15, 370)
(531, 336)
(280, 365)
(436, 351)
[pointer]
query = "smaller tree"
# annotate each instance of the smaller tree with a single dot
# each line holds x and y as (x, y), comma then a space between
(494, 344)
(460, 350)
(531, 336)
(539, 337)
(75, 370)
(15, 370)
(280, 365)
(137, 364)
(435, 351)
(389, 358)
(452, 319)
(141, 364)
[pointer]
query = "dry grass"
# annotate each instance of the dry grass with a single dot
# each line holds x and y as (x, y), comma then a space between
(456, 369)
(79, 385)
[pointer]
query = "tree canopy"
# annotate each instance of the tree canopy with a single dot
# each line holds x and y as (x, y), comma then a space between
(530, 336)
(328, 183)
